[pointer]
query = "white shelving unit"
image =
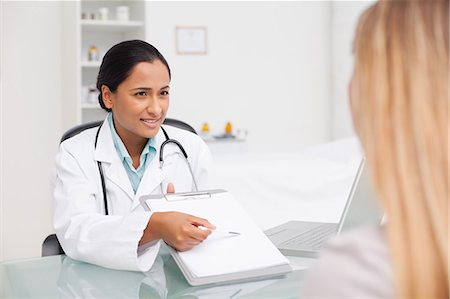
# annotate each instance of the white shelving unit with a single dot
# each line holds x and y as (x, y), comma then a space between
(111, 25)
(83, 28)
(88, 64)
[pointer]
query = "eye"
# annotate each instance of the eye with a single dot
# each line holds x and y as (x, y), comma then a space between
(141, 93)
(165, 93)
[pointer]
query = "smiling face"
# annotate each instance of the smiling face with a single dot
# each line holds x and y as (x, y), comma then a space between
(140, 103)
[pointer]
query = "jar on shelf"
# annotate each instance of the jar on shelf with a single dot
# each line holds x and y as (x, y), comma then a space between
(104, 11)
(92, 94)
(122, 13)
(92, 53)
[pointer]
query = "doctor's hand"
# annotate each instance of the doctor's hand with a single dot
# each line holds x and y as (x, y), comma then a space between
(179, 230)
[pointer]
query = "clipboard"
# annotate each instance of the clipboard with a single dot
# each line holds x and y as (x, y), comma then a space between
(147, 199)
(221, 258)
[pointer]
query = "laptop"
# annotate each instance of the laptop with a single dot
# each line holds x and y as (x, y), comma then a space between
(301, 238)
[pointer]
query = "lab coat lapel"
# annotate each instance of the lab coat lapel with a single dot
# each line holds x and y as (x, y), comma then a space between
(153, 175)
(113, 169)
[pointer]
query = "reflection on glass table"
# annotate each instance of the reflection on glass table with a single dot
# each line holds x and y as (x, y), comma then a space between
(62, 277)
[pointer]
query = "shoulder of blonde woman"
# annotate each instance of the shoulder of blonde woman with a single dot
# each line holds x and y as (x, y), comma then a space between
(354, 265)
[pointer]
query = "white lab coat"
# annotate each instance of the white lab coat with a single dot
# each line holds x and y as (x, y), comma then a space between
(83, 230)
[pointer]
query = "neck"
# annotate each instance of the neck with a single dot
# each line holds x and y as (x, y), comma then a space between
(134, 145)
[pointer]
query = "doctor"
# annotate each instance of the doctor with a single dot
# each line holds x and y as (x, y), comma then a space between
(134, 88)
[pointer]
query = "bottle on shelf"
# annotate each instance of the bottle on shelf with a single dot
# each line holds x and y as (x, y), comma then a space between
(241, 134)
(228, 128)
(205, 133)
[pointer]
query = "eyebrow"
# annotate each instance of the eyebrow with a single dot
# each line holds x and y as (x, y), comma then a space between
(148, 88)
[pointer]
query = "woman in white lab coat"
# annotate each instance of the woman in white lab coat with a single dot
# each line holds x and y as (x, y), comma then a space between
(134, 88)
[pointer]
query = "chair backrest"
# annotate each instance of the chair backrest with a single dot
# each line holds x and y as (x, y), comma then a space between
(179, 124)
(51, 245)
(80, 128)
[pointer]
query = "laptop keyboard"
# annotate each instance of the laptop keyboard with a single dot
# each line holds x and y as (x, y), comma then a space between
(314, 238)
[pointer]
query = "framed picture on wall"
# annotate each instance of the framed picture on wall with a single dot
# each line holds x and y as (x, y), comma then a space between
(190, 40)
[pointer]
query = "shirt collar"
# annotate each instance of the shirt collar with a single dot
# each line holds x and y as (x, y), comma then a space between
(120, 147)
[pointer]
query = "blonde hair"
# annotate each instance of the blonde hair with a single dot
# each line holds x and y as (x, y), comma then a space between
(400, 111)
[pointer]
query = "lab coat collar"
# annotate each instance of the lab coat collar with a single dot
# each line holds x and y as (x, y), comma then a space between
(105, 150)
(153, 175)
(106, 153)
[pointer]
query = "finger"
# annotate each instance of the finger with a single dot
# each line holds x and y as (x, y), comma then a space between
(200, 234)
(197, 221)
(170, 188)
(193, 243)
(185, 246)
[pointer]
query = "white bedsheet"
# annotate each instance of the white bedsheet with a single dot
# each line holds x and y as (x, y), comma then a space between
(312, 185)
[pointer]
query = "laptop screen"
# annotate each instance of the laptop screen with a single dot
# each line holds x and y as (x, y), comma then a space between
(362, 207)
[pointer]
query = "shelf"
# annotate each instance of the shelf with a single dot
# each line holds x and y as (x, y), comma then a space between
(91, 64)
(111, 25)
(90, 106)
(223, 140)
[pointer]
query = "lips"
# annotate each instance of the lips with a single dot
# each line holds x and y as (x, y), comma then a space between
(151, 122)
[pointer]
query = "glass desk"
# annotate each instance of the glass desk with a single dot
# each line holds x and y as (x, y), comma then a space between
(61, 277)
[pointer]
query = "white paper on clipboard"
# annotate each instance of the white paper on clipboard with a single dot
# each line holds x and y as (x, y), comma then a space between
(221, 257)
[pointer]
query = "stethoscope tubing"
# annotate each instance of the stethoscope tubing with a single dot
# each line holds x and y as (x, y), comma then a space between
(161, 163)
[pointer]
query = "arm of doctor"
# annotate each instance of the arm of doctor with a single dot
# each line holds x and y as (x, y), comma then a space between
(179, 230)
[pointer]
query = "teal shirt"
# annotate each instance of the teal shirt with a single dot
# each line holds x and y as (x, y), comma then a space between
(148, 153)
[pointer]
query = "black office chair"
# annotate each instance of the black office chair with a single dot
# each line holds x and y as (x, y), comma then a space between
(179, 124)
(51, 245)
(80, 128)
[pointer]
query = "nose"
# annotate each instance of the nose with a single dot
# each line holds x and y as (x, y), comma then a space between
(153, 106)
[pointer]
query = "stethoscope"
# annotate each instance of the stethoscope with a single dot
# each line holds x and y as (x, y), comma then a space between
(161, 163)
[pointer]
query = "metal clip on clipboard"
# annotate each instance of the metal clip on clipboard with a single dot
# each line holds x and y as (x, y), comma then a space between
(170, 197)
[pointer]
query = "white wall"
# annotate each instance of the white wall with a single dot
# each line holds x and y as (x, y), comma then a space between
(266, 70)
(30, 123)
(345, 15)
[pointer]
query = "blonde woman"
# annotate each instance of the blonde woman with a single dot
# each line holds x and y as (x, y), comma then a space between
(399, 98)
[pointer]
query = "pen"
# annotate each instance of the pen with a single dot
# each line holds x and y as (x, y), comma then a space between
(220, 231)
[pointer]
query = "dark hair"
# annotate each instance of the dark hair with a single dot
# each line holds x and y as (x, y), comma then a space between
(120, 60)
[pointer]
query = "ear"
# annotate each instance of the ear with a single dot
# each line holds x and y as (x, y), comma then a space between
(107, 97)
